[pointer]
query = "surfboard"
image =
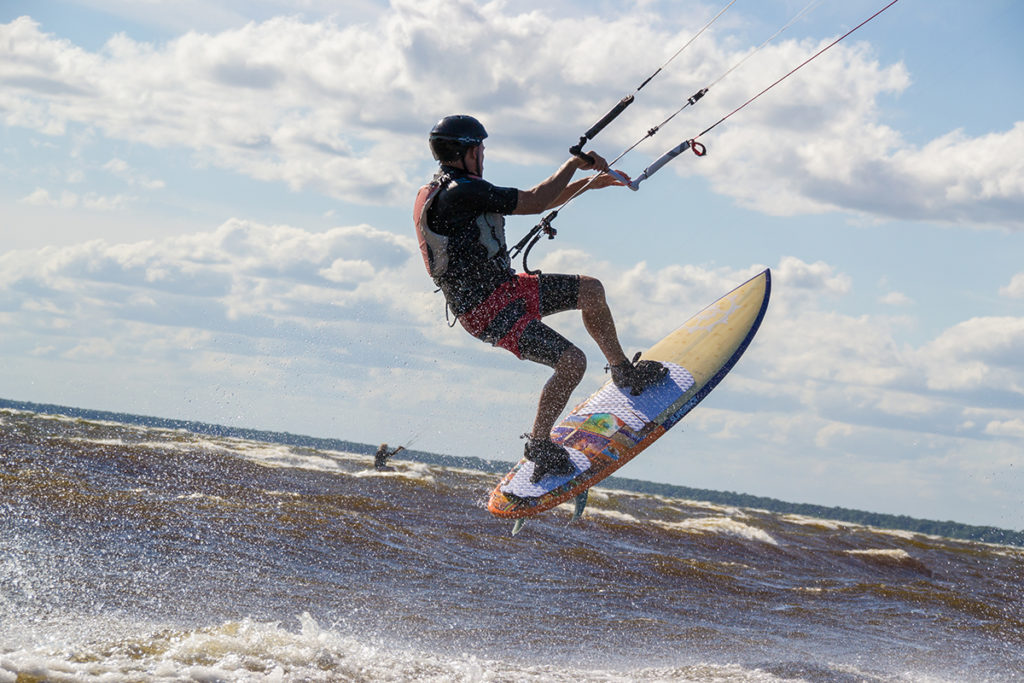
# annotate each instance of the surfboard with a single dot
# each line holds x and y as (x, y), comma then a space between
(611, 427)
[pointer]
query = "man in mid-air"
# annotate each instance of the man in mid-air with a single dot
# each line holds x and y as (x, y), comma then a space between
(460, 224)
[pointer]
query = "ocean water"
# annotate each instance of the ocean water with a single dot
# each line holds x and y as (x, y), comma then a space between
(131, 553)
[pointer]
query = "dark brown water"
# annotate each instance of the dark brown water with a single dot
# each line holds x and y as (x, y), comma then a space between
(133, 553)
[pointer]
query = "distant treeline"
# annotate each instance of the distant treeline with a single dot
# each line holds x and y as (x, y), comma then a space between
(947, 529)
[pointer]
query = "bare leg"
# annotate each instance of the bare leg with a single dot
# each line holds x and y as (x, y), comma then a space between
(568, 372)
(569, 368)
(597, 318)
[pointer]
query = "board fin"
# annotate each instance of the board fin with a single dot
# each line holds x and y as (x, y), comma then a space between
(581, 504)
(518, 526)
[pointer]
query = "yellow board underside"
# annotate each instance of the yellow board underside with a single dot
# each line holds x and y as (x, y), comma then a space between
(705, 342)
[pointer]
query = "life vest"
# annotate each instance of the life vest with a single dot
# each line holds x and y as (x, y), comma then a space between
(433, 247)
(436, 249)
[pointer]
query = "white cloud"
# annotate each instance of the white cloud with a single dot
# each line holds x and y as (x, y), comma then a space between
(343, 109)
(122, 170)
(211, 17)
(830, 431)
(1013, 428)
(91, 349)
(273, 281)
(895, 299)
(816, 277)
(1014, 290)
(98, 202)
(70, 200)
(980, 354)
(41, 197)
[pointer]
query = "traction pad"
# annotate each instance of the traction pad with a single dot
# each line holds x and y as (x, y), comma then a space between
(626, 416)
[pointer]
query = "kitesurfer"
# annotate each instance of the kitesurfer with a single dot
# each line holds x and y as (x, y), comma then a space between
(380, 459)
(460, 223)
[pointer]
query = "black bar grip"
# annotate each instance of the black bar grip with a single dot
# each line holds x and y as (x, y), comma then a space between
(577, 151)
(609, 117)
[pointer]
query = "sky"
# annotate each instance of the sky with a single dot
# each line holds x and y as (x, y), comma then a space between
(205, 213)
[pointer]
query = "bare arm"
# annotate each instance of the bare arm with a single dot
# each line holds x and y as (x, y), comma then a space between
(592, 182)
(556, 188)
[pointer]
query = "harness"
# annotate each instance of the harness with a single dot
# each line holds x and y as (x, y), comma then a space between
(436, 248)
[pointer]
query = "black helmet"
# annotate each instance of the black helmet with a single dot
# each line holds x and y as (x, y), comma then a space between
(453, 135)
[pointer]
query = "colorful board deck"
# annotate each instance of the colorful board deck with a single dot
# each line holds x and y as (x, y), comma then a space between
(612, 427)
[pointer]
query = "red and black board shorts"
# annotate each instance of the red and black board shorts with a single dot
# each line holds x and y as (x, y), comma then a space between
(511, 316)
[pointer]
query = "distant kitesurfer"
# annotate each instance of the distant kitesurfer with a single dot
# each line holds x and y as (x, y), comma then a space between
(460, 224)
(380, 460)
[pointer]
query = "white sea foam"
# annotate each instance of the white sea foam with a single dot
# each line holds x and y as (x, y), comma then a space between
(890, 558)
(675, 503)
(56, 417)
(98, 442)
(885, 553)
(335, 462)
(272, 455)
(726, 526)
(193, 442)
(898, 533)
(249, 651)
(201, 496)
(412, 470)
(610, 514)
(803, 520)
(728, 510)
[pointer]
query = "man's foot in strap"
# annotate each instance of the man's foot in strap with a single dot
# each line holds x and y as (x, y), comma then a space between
(638, 374)
(547, 458)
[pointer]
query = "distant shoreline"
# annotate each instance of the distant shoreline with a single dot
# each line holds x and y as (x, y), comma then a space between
(948, 529)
